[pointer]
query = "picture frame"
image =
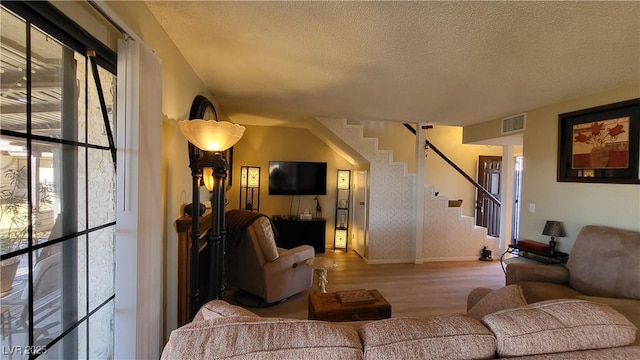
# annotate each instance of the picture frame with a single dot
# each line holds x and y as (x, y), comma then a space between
(600, 144)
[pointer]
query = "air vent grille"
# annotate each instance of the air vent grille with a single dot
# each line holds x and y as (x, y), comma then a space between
(514, 123)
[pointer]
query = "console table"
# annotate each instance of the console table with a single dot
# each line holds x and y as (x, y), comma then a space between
(545, 257)
(294, 232)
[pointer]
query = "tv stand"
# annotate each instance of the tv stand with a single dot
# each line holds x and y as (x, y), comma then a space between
(294, 232)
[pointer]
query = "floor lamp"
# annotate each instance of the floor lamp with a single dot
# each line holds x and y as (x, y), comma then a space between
(213, 138)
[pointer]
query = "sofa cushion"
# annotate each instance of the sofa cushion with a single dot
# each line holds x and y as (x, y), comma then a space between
(604, 261)
(243, 337)
(558, 326)
(218, 308)
(442, 337)
(630, 308)
(476, 295)
(504, 298)
(619, 353)
(534, 291)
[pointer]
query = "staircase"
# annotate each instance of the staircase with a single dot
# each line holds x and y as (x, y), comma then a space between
(448, 236)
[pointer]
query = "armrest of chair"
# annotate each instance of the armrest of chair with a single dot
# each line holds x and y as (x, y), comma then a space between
(517, 272)
(290, 258)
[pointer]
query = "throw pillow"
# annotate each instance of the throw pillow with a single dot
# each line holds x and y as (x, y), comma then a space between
(507, 297)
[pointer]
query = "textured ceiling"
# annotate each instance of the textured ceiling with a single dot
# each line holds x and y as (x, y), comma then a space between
(452, 63)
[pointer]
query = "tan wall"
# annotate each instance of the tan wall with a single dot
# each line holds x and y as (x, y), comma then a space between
(483, 131)
(260, 144)
(180, 86)
(575, 204)
(448, 139)
(393, 136)
(446, 180)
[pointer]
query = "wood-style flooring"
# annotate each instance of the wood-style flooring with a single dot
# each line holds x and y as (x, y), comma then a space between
(428, 289)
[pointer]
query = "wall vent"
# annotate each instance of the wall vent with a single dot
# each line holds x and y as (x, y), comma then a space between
(514, 123)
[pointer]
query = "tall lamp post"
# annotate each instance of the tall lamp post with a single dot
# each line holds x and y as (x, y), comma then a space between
(213, 138)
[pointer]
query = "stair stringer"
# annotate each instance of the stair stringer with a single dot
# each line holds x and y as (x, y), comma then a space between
(392, 197)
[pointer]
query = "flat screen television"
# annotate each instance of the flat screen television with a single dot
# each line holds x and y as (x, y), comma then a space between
(297, 178)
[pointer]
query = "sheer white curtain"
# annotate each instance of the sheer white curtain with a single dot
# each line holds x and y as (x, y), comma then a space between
(138, 302)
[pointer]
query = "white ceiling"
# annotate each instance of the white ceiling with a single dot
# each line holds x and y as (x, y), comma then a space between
(447, 63)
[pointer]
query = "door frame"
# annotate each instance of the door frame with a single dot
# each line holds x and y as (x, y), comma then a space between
(487, 214)
(360, 215)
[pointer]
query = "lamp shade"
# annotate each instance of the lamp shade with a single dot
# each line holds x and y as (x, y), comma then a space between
(211, 135)
(341, 239)
(344, 179)
(254, 177)
(207, 178)
(554, 228)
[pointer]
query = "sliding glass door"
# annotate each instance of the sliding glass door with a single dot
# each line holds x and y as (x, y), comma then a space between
(57, 198)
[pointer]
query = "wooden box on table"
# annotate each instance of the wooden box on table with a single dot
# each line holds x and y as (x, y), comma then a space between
(328, 307)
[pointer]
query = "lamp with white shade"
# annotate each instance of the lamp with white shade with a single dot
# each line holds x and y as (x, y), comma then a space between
(211, 138)
(250, 188)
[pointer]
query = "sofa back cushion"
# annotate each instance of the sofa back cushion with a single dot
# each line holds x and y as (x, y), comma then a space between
(265, 238)
(558, 326)
(506, 297)
(605, 261)
(218, 309)
(249, 337)
(442, 337)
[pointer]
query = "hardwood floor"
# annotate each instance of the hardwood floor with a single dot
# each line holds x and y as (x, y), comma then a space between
(428, 289)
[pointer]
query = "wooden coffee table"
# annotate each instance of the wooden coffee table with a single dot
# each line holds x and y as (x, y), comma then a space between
(327, 306)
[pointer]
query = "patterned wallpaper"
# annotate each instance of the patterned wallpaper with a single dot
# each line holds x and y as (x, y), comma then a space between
(447, 234)
(392, 197)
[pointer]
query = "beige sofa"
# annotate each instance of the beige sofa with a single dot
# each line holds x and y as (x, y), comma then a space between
(603, 266)
(556, 329)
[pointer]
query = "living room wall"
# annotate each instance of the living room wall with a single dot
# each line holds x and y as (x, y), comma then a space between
(444, 178)
(180, 85)
(260, 144)
(575, 204)
(448, 139)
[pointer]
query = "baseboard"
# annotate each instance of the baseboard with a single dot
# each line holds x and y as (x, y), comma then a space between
(441, 259)
(388, 261)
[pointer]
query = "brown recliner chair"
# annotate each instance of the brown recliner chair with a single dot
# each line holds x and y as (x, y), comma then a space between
(257, 266)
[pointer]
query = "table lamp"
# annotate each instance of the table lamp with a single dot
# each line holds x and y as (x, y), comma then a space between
(554, 229)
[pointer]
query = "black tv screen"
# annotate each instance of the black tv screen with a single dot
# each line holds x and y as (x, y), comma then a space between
(297, 178)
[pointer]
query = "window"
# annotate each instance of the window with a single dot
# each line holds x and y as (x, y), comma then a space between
(58, 188)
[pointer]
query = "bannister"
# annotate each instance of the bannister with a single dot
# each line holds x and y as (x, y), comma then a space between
(410, 128)
(458, 169)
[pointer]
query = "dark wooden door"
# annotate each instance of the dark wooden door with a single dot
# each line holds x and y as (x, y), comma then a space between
(487, 212)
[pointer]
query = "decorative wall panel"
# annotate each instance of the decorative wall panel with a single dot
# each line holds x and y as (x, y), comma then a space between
(392, 196)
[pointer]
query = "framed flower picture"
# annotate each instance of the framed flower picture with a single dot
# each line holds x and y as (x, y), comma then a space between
(600, 144)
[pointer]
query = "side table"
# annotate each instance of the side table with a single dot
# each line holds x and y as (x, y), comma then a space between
(545, 257)
(320, 265)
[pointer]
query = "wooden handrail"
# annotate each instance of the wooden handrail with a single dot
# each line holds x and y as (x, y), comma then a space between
(410, 128)
(458, 169)
(475, 183)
